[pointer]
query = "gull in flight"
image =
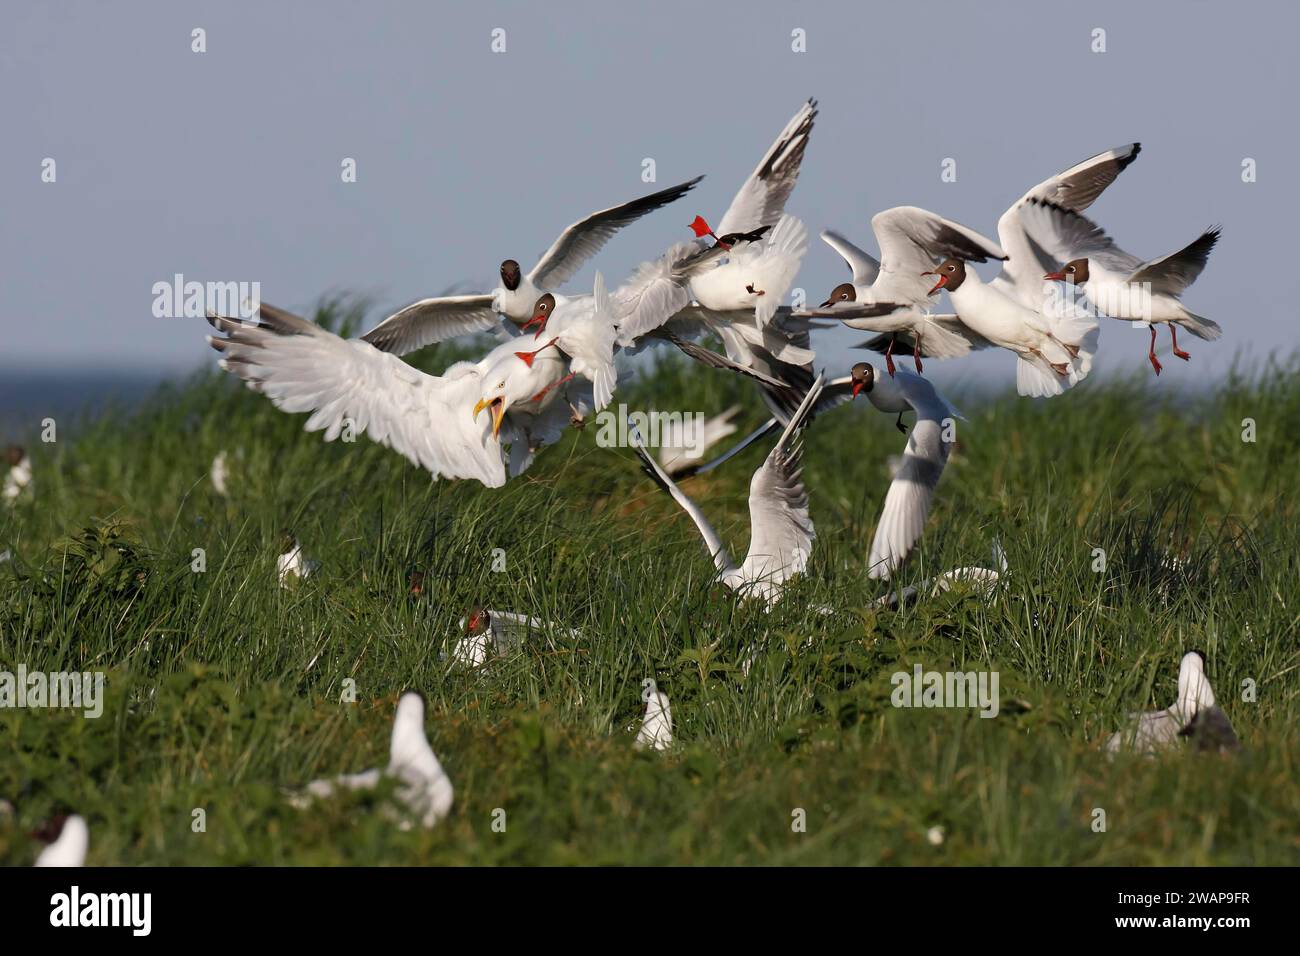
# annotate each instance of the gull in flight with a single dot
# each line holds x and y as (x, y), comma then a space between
(682, 444)
(69, 849)
(656, 731)
(443, 317)
(907, 503)
(423, 787)
(890, 296)
(1161, 729)
(1019, 279)
(781, 532)
(1121, 285)
(734, 287)
(433, 421)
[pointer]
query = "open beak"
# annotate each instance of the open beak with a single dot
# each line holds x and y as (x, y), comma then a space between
(943, 281)
(1055, 276)
(857, 387)
(498, 406)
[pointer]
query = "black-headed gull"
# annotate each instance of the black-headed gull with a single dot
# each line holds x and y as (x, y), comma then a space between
(489, 633)
(656, 731)
(1121, 285)
(69, 848)
(983, 580)
(1076, 189)
(1053, 351)
(891, 296)
(781, 531)
(443, 317)
(907, 503)
(1160, 730)
(19, 477)
(292, 565)
(423, 787)
(734, 287)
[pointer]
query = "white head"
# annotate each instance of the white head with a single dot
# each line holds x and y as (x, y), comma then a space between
(1194, 692)
(507, 382)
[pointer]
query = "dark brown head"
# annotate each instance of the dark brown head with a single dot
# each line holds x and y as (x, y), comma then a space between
(951, 273)
(288, 542)
(478, 622)
(543, 309)
(416, 581)
(14, 454)
(1074, 272)
(864, 378)
(510, 274)
(844, 292)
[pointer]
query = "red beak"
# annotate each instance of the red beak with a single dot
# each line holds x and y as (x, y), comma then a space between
(943, 281)
(857, 387)
(1055, 276)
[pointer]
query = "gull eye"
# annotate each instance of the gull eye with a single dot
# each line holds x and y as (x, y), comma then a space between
(1071, 269)
(844, 295)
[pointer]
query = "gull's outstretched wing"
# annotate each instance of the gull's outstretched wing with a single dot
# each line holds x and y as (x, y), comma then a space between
(584, 238)
(352, 385)
(432, 320)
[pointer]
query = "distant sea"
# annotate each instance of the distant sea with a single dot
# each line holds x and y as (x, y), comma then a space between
(27, 397)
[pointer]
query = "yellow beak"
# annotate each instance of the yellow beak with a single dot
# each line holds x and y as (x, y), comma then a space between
(498, 406)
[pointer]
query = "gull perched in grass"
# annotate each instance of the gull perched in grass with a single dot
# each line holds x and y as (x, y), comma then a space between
(19, 477)
(220, 473)
(443, 317)
(656, 731)
(292, 565)
(907, 503)
(1161, 729)
(983, 580)
(496, 633)
(423, 787)
(69, 849)
(781, 532)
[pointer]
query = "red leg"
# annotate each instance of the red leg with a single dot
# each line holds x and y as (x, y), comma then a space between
(1155, 362)
(889, 355)
(916, 354)
(1173, 334)
(542, 394)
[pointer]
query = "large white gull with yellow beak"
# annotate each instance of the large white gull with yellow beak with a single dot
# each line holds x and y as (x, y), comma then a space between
(434, 421)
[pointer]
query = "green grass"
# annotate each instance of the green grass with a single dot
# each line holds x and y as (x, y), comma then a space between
(224, 689)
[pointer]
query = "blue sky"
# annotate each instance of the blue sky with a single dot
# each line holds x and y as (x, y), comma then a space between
(225, 165)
